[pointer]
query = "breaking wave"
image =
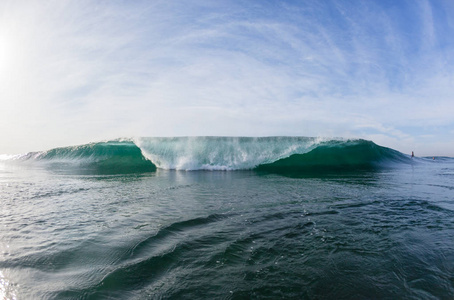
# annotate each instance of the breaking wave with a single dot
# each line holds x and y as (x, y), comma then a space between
(219, 153)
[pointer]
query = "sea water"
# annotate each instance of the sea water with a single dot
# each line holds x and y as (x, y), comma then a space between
(216, 218)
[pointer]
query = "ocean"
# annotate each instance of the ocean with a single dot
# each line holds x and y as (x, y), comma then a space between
(226, 218)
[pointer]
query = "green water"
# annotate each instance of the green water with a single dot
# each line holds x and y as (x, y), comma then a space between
(226, 218)
(365, 234)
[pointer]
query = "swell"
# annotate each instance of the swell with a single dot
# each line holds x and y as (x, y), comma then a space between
(265, 154)
(155, 257)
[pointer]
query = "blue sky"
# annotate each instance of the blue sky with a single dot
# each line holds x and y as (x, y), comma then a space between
(73, 72)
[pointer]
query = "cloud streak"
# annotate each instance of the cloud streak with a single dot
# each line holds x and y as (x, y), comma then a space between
(82, 71)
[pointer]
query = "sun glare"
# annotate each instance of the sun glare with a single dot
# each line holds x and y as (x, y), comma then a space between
(4, 53)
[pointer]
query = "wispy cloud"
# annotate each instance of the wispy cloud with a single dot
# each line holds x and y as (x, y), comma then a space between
(82, 71)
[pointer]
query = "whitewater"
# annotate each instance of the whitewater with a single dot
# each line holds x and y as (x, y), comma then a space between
(226, 218)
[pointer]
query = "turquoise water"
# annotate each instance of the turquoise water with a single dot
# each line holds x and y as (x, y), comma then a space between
(303, 218)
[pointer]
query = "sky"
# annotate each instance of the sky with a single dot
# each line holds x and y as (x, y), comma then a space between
(73, 72)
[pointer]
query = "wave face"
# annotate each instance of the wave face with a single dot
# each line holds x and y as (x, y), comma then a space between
(220, 153)
(339, 156)
(113, 157)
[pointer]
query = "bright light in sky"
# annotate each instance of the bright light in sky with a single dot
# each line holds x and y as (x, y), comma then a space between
(3, 53)
(73, 72)
(6, 59)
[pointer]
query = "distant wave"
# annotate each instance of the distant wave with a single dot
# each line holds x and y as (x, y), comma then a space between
(219, 153)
